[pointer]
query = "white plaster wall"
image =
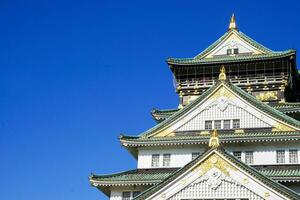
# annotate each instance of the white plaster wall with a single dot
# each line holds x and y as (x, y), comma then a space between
(116, 192)
(180, 156)
(233, 42)
(247, 120)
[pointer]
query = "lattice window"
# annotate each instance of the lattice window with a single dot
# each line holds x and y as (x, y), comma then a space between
(217, 124)
(236, 123)
(280, 156)
(293, 156)
(155, 160)
(208, 125)
(126, 196)
(249, 157)
(236, 51)
(237, 154)
(166, 160)
(229, 51)
(226, 124)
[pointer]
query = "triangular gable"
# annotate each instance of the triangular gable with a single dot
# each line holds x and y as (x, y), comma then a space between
(224, 95)
(233, 39)
(217, 174)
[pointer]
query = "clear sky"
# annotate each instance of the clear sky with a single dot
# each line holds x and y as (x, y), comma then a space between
(76, 74)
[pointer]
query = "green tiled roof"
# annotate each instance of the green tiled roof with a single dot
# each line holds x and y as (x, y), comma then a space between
(282, 107)
(229, 59)
(160, 115)
(228, 137)
(281, 172)
(154, 176)
(288, 107)
(240, 92)
(200, 58)
(250, 170)
(135, 176)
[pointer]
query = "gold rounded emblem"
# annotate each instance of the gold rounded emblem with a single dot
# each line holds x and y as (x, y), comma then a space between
(214, 160)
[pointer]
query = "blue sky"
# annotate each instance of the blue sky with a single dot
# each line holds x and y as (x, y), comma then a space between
(76, 74)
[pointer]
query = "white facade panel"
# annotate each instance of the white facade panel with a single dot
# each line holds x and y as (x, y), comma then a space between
(247, 120)
(179, 156)
(262, 155)
(225, 190)
(116, 192)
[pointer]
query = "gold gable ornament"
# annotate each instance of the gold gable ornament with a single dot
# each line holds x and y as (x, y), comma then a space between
(214, 139)
(222, 75)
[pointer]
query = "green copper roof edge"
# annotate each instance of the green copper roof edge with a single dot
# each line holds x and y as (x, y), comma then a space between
(204, 140)
(247, 97)
(276, 173)
(253, 172)
(287, 107)
(230, 59)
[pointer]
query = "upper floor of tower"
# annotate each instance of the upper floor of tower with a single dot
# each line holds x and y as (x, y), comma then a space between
(271, 76)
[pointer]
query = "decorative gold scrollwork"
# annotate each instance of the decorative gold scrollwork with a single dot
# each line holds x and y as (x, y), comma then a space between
(267, 96)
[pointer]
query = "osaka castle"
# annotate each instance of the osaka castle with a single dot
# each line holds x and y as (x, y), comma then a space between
(235, 134)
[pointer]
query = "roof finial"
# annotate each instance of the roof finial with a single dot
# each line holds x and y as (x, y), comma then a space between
(214, 139)
(232, 24)
(222, 75)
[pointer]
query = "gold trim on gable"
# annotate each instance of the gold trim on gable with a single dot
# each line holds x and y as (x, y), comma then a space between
(214, 161)
(281, 127)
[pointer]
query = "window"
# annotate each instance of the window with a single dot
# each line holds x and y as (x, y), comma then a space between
(166, 160)
(125, 195)
(236, 51)
(293, 155)
(135, 193)
(249, 157)
(229, 51)
(236, 123)
(226, 124)
(237, 154)
(155, 160)
(195, 155)
(208, 125)
(217, 124)
(280, 156)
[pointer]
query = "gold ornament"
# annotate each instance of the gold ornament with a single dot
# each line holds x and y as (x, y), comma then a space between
(222, 75)
(267, 96)
(214, 161)
(214, 140)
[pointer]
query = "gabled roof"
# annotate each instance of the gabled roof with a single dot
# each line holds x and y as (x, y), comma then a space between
(253, 172)
(235, 89)
(288, 107)
(201, 58)
(153, 176)
(226, 138)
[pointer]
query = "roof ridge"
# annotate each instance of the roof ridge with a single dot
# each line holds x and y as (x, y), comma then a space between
(111, 175)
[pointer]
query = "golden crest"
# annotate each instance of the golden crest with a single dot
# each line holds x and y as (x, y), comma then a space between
(214, 161)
